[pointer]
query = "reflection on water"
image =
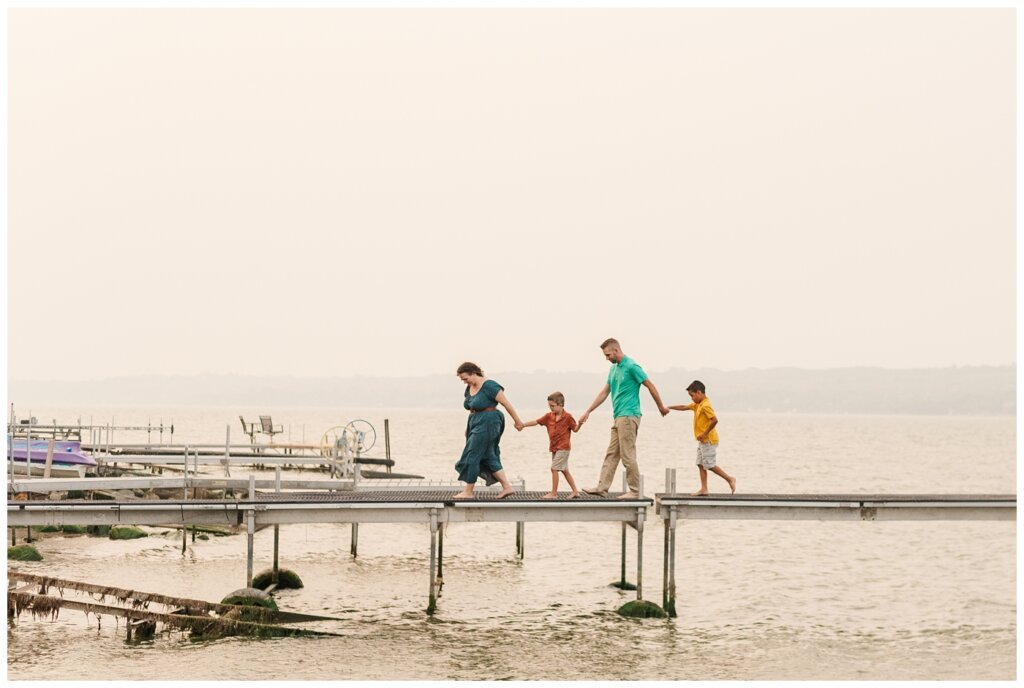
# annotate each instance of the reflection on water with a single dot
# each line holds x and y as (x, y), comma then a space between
(757, 599)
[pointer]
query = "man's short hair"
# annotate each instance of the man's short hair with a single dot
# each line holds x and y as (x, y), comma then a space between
(696, 386)
(558, 398)
(609, 342)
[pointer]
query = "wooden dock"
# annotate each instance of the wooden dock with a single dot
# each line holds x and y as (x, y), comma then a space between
(435, 506)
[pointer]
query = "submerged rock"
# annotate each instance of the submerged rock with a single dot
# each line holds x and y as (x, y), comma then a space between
(126, 533)
(286, 578)
(642, 609)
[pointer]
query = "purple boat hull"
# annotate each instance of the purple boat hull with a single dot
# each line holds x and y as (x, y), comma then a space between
(64, 452)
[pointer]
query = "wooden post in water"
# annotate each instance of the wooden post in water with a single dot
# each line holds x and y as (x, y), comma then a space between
(387, 445)
(354, 549)
(49, 458)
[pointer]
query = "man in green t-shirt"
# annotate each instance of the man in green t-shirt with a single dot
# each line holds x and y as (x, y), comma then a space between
(624, 380)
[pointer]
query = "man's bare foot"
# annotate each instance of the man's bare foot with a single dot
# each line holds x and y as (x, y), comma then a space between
(550, 495)
(504, 493)
(574, 495)
(463, 495)
(595, 491)
(628, 495)
(732, 484)
(699, 493)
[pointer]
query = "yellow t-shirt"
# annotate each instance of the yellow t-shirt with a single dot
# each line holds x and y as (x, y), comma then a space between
(702, 415)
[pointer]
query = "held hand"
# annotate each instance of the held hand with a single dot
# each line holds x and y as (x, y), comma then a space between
(519, 425)
(664, 410)
(583, 419)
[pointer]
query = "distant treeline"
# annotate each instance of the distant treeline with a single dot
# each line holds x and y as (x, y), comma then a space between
(971, 390)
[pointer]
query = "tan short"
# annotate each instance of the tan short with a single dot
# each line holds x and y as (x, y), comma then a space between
(560, 460)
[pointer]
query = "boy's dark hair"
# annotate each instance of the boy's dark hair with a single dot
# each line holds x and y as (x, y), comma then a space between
(471, 368)
(558, 398)
(696, 386)
(609, 342)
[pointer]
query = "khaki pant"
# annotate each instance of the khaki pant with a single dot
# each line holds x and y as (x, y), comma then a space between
(621, 447)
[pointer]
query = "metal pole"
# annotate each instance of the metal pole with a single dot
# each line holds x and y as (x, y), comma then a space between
(250, 529)
(277, 527)
(622, 577)
(640, 551)
(354, 549)
(184, 496)
(227, 451)
(440, 558)
(671, 608)
(387, 444)
(664, 563)
(432, 603)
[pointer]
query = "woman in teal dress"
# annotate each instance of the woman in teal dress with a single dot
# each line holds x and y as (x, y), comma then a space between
(482, 456)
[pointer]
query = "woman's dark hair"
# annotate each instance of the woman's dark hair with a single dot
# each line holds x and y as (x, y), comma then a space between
(470, 368)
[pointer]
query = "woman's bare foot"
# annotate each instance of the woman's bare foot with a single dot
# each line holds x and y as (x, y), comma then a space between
(732, 484)
(574, 495)
(550, 495)
(504, 493)
(463, 495)
(699, 493)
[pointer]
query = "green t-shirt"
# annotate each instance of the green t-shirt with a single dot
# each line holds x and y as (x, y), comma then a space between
(625, 378)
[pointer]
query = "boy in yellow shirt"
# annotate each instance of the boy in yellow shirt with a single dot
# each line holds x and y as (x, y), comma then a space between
(704, 422)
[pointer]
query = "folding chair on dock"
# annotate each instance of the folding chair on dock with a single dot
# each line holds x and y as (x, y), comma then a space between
(267, 428)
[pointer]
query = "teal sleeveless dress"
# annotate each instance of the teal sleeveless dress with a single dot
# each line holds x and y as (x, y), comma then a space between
(482, 456)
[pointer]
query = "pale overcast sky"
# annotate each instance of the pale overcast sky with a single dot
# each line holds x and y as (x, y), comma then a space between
(392, 192)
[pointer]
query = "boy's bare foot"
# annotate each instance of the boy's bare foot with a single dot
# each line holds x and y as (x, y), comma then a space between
(463, 495)
(550, 495)
(504, 493)
(628, 495)
(732, 484)
(699, 493)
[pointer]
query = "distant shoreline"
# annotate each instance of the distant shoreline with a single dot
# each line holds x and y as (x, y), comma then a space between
(966, 390)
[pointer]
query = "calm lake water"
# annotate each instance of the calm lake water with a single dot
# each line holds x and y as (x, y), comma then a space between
(757, 599)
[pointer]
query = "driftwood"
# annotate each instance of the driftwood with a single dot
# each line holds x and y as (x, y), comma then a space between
(199, 626)
(189, 613)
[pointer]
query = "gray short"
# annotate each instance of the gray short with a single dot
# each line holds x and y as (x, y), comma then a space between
(706, 453)
(560, 460)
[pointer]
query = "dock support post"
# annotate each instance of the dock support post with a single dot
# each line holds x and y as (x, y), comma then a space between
(227, 451)
(250, 529)
(670, 606)
(432, 600)
(622, 573)
(640, 552)
(440, 559)
(520, 539)
(184, 496)
(277, 527)
(354, 549)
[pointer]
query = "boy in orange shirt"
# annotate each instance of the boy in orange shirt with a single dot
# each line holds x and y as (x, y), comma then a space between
(704, 422)
(560, 425)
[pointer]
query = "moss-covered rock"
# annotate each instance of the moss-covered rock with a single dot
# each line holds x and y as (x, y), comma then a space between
(48, 529)
(76, 494)
(286, 578)
(246, 599)
(101, 531)
(623, 585)
(74, 530)
(642, 609)
(126, 533)
(23, 553)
